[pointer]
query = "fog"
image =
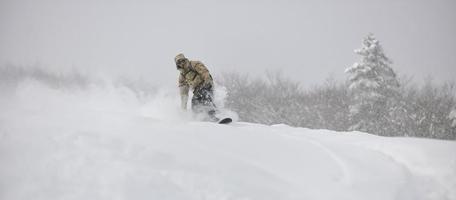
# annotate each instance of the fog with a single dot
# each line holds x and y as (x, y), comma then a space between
(89, 107)
(307, 40)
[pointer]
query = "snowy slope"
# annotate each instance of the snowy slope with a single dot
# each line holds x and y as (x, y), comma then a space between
(106, 143)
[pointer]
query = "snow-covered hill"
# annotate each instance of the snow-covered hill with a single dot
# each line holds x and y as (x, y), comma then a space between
(106, 143)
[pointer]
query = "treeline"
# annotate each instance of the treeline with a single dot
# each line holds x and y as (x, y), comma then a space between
(12, 75)
(373, 100)
(425, 108)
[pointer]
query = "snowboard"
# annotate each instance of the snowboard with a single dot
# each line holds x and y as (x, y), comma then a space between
(226, 120)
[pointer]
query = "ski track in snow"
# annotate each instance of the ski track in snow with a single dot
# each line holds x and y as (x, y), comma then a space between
(345, 177)
(346, 172)
(419, 181)
(413, 183)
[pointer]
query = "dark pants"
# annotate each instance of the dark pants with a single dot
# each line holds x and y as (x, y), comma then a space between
(202, 102)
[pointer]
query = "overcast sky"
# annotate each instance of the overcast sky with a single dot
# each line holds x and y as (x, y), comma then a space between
(307, 40)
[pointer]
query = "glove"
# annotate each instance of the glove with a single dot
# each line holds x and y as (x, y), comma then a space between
(184, 96)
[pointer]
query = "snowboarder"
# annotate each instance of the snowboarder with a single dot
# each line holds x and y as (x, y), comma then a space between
(194, 75)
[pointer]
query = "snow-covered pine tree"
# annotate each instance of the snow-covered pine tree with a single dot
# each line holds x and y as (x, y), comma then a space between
(373, 89)
(452, 131)
(452, 117)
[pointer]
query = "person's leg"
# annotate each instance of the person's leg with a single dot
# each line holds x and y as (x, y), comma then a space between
(202, 102)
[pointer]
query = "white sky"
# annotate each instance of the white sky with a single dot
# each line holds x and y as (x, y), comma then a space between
(307, 40)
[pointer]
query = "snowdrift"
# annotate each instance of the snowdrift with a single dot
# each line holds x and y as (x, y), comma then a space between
(108, 143)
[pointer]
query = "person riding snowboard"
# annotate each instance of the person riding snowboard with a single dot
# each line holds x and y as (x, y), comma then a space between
(194, 75)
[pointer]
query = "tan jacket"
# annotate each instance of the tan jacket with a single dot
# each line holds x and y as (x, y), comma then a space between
(193, 77)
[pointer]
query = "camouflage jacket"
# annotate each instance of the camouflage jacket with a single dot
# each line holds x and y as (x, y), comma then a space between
(194, 77)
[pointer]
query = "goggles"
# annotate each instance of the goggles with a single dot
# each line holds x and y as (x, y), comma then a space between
(180, 61)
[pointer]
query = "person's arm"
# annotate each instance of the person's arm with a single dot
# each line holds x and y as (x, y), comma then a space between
(183, 89)
(203, 72)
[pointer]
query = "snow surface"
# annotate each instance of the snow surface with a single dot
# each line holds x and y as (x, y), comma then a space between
(107, 143)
